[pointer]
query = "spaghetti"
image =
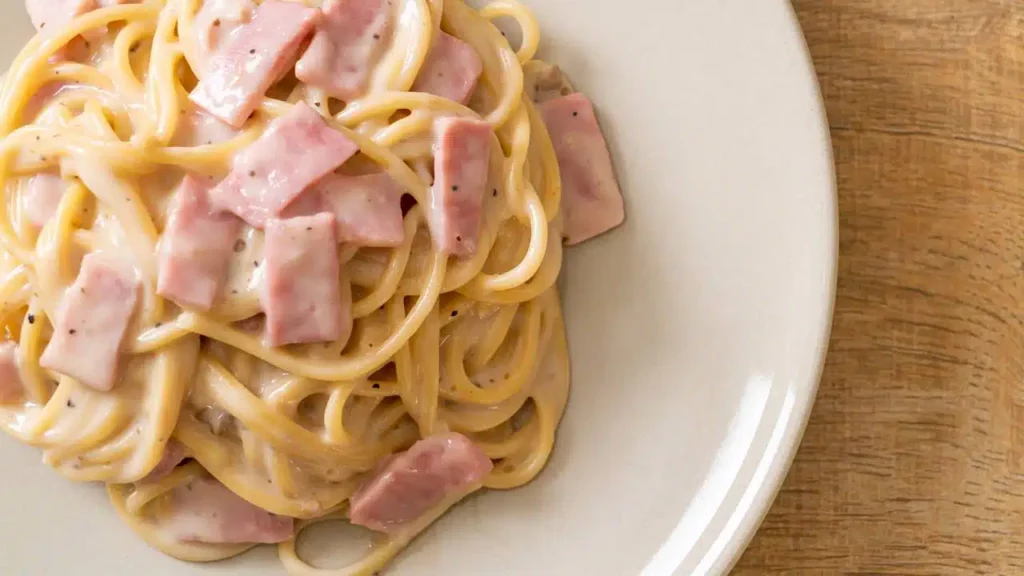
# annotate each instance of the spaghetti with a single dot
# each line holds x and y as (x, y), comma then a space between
(474, 345)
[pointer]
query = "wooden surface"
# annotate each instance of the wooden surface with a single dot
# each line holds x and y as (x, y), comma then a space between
(913, 461)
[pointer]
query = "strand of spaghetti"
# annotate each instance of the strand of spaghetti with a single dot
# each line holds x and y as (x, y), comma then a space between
(93, 427)
(501, 67)
(144, 493)
(514, 443)
(330, 370)
(412, 42)
(161, 94)
(544, 279)
(127, 41)
(41, 48)
(379, 555)
(282, 432)
(334, 415)
(522, 362)
(425, 346)
(215, 457)
(150, 532)
(478, 417)
(396, 266)
(533, 260)
(528, 26)
(52, 264)
(186, 10)
(486, 347)
(31, 347)
(161, 404)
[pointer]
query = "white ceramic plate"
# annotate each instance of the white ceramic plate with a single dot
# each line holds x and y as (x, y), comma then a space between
(697, 330)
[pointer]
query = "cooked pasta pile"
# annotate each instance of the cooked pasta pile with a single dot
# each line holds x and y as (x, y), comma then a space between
(163, 391)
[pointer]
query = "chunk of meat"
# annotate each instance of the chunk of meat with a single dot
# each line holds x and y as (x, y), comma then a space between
(366, 208)
(42, 197)
(450, 71)
(215, 22)
(195, 247)
(303, 297)
(48, 16)
(435, 470)
(174, 454)
(204, 510)
(462, 150)
(297, 150)
(591, 199)
(11, 386)
(252, 59)
(91, 322)
(350, 40)
(197, 128)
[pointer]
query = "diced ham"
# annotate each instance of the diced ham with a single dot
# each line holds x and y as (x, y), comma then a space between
(195, 247)
(214, 23)
(204, 510)
(11, 387)
(367, 208)
(50, 15)
(591, 199)
(302, 297)
(297, 150)
(350, 41)
(252, 59)
(42, 197)
(91, 321)
(198, 128)
(462, 150)
(174, 454)
(451, 70)
(413, 482)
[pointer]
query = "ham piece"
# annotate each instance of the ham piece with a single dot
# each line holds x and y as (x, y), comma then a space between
(433, 470)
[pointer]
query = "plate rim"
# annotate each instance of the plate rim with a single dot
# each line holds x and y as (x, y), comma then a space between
(792, 438)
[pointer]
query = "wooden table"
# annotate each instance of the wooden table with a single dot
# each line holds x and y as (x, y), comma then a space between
(913, 461)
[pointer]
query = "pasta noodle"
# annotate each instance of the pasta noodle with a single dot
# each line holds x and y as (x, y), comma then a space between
(474, 345)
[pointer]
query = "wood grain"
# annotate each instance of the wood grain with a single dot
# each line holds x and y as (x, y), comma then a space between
(913, 461)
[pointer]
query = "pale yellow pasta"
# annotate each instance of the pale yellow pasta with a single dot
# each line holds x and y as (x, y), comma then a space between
(473, 345)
